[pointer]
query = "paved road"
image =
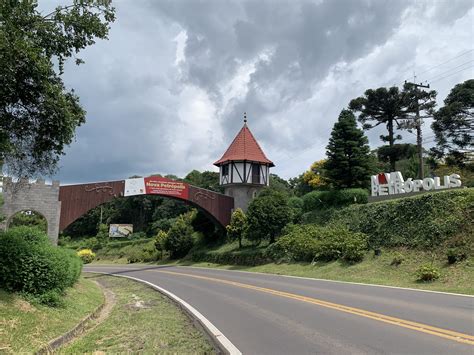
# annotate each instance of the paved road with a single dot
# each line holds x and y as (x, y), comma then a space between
(270, 314)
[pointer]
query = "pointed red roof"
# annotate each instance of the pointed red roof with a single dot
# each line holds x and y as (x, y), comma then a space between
(244, 147)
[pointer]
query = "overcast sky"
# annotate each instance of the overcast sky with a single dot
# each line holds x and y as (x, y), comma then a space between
(166, 93)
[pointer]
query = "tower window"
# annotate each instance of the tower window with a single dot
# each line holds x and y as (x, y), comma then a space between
(255, 173)
(225, 170)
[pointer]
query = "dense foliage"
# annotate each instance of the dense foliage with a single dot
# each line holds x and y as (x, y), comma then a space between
(349, 163)
(38, 115)
(453, 125)
(236, 228)
(423, 221)
(311, 242)
(179, 240)
(319, 200)
(30, 264)
(267, 214)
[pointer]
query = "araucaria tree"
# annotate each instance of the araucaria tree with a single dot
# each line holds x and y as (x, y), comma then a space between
(453, 125)
(349, 163)
(38, 115)
(382, 106)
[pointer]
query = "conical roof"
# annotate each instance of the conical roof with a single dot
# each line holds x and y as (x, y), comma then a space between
(244, 147)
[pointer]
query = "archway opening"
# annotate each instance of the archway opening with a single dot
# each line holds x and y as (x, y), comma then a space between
(28, 218)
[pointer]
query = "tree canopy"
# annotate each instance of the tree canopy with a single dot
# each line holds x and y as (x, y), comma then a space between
(453, 125)
(349, 163)
(38, 114)
(382, 106)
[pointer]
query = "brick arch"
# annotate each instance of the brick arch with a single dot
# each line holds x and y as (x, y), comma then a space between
(77, 200)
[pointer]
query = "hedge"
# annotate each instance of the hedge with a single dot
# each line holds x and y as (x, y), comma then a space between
(319, 200)
(30, 264)
(426, 220)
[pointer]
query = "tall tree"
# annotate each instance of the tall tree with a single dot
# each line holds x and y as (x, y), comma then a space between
(453, 125)
(349, 163)
(382, 106)
(38, 115)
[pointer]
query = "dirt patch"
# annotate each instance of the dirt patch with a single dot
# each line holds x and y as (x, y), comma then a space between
(24, 306)
(138, 304)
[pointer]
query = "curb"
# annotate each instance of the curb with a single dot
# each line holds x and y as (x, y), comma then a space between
(72, 333)
(219, 340)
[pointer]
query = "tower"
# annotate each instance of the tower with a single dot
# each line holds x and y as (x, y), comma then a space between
(244, 169)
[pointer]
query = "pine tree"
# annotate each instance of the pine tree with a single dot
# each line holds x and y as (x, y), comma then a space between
(349, 162)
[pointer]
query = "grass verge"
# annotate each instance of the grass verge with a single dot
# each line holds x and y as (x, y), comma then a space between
(373, 269)
(25, 327)
(142, 321)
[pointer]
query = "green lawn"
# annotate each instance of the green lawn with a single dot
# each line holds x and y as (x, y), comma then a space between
(142, 321)
(25, 327)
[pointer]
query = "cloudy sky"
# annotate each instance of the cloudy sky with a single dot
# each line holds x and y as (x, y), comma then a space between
(166, 93)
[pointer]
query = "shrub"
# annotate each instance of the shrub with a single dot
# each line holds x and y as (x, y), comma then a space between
(86, 255)
(30, 264)
(141, 252)
(340, 243)
(398, 258)
(427, 273)
(160, 242)
(318, 200)
(427, 220)
(296, 205)
(309, 242)
(456, 254)
(235, 230)
(180, 238)
(298, 244)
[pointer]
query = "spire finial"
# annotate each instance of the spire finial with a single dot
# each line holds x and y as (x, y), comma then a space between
(245, 117)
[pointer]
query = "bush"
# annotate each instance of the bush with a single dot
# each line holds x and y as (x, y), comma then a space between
(235, 230)
(310, 242)
(86, 255)
(141, 253)
(455, 255)
(427, 220)
(296, 205)
(180, 238)
(427, 273)
(318, 200)
(30, 264)
(160, 241)
(298, 244)
(340, 243)
(397, 259)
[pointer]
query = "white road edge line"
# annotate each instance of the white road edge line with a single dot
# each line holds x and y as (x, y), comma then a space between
(291, 276)
(335, 281)
(224, 344)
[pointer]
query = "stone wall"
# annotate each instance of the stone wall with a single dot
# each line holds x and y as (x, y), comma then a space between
(37, 197)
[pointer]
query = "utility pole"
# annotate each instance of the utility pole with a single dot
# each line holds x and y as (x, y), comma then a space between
(419, 137)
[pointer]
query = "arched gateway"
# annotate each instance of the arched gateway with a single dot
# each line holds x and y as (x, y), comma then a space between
(62, 205)
(244, 170)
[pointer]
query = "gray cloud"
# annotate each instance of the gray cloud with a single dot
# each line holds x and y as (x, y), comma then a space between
(167, 92)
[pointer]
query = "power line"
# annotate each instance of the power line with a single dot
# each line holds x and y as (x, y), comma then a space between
(447, 76)
(447, 71)
(449, 60)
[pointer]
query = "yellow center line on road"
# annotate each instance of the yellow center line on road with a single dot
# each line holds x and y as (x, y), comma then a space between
(424, 328)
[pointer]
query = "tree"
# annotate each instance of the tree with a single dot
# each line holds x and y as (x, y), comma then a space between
(315, 176)
(349, 163)
(180, 238)
(236, 228)
(299, 186)
(382, 106)
(38, 115)
(160, 242)
(267, 214)
(453, 125)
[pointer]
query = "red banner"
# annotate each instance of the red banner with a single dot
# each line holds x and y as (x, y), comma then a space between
(155, 185)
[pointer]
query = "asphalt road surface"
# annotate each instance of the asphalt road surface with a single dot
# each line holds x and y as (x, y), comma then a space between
(271, 314)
